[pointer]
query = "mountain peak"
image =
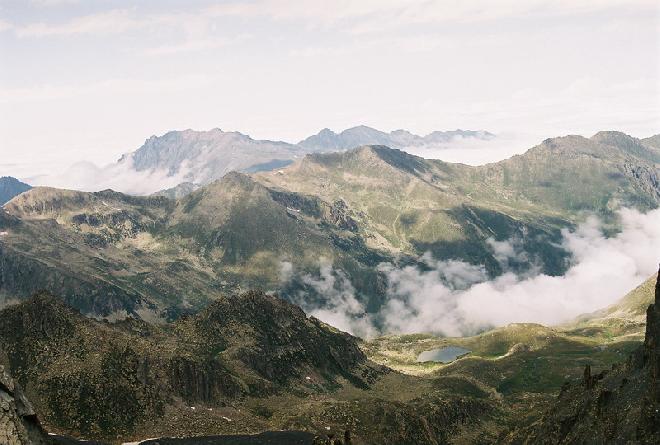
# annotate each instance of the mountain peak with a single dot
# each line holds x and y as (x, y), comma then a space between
(627, 144)
(327, 140)
(11, 187)
(369, 156)
(613, 138)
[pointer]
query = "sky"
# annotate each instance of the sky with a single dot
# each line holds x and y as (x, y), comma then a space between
(90, 80)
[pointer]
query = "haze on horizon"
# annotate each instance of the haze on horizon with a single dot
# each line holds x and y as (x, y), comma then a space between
(88, 81)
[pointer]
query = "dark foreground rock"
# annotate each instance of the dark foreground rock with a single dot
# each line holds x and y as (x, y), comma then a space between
(267, 438)
(18, 421)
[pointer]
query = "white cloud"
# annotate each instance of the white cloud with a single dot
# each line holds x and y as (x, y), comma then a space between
(365, 16)
(456, 298)
(603, 270)
(195, 44)
(110, 22)
(476, 151)
(107, 88)
(368, 16)
(121, 177)
(341, 308)
(54, 2)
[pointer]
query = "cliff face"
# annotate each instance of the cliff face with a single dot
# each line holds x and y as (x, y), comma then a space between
(652, 346)
(18, 421)
(621, 405)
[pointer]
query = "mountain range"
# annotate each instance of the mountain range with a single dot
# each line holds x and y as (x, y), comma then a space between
(130, 317)
(201, 157)
(328, 140)
(110, 254)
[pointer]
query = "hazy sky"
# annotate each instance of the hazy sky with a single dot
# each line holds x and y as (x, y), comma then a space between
(93, 79)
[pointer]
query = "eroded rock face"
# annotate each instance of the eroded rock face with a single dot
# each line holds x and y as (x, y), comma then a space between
(18, 421)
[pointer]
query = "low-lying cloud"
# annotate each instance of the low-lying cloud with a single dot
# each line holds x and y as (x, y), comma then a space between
(340, 307)
(456, 298)
(477, 151)
(120, 176)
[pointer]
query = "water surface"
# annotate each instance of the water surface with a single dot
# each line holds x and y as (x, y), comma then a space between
(442, 355)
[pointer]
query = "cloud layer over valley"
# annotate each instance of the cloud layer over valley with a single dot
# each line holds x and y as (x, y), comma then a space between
(456, 298)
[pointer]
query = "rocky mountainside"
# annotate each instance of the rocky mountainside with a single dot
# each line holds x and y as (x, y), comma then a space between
(245, 364)
(99, 379)
(110, 254)
(617, 405)
(253, 362)
(328, 140)
(10, 187)
(652, 141)
(204, 156)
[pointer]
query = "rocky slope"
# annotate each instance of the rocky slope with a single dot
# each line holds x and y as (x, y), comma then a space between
(253, 363)
(204, 156)
(10, 187)
(617, 405)
(245, 364)
(101, 380)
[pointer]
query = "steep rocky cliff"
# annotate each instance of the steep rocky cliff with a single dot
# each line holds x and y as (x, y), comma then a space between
(18, 421)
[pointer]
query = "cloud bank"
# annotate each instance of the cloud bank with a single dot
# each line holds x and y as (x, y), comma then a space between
(121, 177)
(341, 307)
(455, 298)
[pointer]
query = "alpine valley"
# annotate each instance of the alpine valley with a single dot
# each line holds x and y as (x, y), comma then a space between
(186, 313)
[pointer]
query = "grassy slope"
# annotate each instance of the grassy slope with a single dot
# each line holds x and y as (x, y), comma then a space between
(525, 365)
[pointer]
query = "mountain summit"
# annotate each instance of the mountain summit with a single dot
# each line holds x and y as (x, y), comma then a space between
(10, 187)
(201, 157)
(327, 140)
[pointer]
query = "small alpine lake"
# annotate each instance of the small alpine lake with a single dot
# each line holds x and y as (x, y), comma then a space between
(443, 355)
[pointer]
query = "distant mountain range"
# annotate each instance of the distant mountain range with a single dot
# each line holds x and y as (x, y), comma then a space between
(328, 140)
(201, 157)
(10, 187)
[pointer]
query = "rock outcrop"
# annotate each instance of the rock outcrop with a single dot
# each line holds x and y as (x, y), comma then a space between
(18, 421)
